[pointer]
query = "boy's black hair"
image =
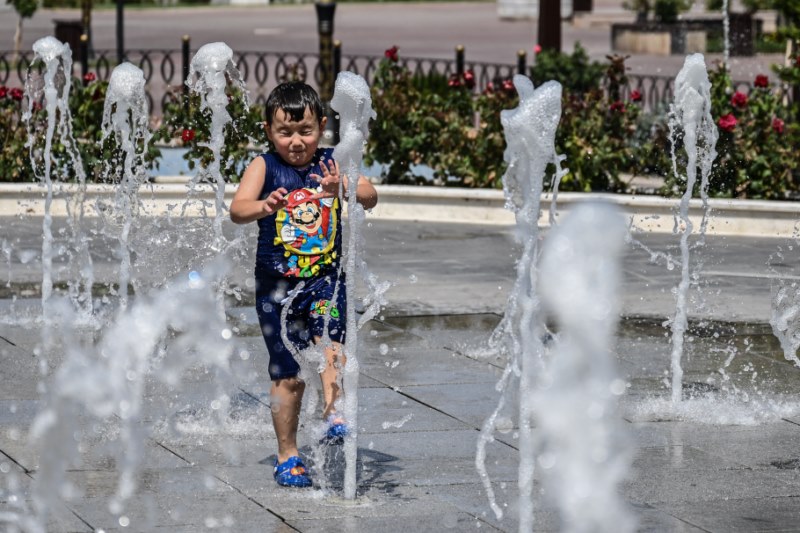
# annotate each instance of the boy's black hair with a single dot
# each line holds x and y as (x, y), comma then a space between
(293, 97)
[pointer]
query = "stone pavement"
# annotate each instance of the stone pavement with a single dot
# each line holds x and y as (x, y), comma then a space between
(424, 392)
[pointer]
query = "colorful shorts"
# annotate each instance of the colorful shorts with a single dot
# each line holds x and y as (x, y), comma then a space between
(309, 315)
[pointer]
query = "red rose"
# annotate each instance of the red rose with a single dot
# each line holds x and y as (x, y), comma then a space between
(618, 106)
(727, 122)
(3, 91)
(761, 81)
(469, 79)
(37, 106)
(636, 96)
(89, 77)
(508, 85)
(489, 88)
(391, 53)
(537, 49)
(739, 99)
(187, 135)
(777, 125)
(454, 81)
(16, 93)
(797, 61)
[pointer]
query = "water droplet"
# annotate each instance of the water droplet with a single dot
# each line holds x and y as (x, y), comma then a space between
(226, 333)
(412, 278)
(384, 349)
(124, 521)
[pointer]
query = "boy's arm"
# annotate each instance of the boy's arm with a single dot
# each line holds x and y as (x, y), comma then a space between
(246, 206)
(366, 194)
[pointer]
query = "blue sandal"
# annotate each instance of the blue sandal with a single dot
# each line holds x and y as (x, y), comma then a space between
(337, 431)
(291, 473)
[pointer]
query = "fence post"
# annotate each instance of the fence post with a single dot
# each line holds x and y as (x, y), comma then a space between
(84, 57)
(522, 62)
(460, 60)
(185, 69)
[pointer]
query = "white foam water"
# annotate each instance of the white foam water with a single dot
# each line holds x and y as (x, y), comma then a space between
(210, 69)
(582, 445)
(690, 114)
(157, 337)
(125, 115)
(529, 130)
(352, 100)
(57, 84)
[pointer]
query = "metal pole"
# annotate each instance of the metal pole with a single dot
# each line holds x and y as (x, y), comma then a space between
(185, 70)
(120, 31)
(326, 9)
(522, 62)
(84, 55)
(337, 68)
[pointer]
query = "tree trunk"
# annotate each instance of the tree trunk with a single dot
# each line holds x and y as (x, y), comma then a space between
(550, 25)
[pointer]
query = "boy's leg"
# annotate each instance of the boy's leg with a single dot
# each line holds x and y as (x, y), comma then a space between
(334, 363)
(286, 398)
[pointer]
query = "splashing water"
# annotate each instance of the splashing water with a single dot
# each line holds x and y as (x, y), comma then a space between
(530, 135)
(351, 99)
(583, 448)
(213, 65)
(691, 112)
(105, 383)
(57, 82)
(785, 319)
(125, 114)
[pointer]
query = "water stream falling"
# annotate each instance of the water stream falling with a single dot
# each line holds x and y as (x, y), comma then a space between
(530, 136)
(785, 319)
(352, 100)
(211, 69)
(690, 115)
(125, 114)
(53, 89)
(583, 448)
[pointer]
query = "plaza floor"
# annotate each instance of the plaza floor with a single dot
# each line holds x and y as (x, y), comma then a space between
(425, 388)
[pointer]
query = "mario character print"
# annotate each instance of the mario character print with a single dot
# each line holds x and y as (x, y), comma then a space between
(307, 229)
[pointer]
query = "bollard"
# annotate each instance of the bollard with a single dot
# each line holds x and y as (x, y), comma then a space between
(84, 55)
(460, 60)
(522, 60)
(185, 69)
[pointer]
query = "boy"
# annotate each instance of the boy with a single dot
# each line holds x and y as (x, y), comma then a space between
(293, 194)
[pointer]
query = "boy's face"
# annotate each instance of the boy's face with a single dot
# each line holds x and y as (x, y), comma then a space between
(295, 141)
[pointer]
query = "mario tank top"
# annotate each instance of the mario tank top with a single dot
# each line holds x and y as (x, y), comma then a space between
(303, 239)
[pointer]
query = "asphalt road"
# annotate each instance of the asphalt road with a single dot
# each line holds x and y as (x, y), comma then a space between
(430, 30)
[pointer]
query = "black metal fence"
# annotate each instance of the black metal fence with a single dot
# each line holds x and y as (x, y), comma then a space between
(165, 71)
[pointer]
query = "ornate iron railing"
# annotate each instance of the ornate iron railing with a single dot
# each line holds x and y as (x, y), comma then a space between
(164, 72)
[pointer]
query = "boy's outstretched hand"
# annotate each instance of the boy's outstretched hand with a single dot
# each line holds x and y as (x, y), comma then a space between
(329, 181)
(276, 200)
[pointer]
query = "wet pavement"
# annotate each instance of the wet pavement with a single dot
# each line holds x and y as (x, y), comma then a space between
(729, 460)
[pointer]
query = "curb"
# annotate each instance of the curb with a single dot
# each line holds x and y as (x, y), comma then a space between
(651, 214)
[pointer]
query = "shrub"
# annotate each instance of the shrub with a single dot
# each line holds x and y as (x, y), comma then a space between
(186, 124)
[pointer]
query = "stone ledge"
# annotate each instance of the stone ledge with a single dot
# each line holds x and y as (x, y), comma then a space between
(434, 204)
